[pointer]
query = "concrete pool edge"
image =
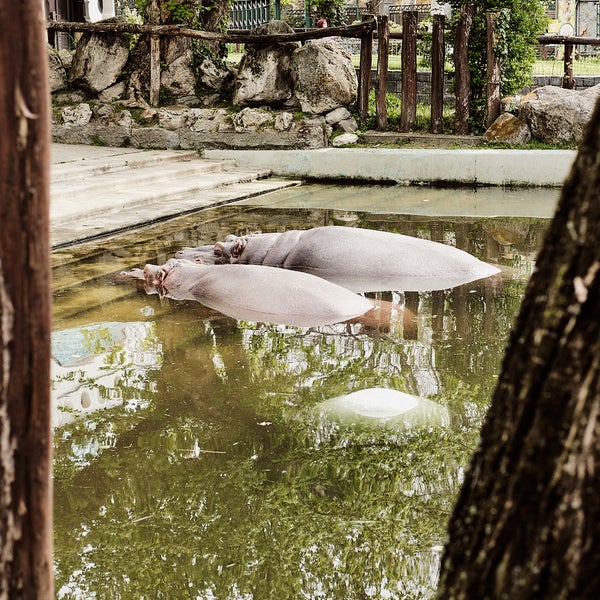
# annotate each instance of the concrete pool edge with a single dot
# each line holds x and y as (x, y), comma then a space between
(530, 168)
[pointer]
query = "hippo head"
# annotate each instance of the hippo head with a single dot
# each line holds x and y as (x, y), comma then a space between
(153, 276)
(221, 253)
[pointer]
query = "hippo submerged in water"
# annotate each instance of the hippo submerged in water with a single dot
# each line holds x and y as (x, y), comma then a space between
(255, 292)
(361, 260)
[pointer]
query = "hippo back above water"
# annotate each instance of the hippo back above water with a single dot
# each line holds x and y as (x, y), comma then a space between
(362, 260)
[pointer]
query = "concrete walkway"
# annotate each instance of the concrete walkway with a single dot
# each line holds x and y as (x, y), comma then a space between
(545, 168)
(98, 190)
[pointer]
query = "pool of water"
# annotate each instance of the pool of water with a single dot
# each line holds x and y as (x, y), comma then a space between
(192, 457)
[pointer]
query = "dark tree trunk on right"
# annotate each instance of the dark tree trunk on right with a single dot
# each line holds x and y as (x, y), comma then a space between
(527, 522)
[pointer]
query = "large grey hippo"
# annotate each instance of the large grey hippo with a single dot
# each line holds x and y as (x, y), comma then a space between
(255, 292)
(362, 260)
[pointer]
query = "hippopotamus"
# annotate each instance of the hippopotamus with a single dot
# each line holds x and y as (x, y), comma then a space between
(362, 260)
(255, 292)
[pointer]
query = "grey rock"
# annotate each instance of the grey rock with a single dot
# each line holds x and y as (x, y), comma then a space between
(98, 60)
(337, 115)
(324, 77)
(283, 121)
(112, 93)
(264, 73)
(345, 139)
(177, 77)
(557, 115)
(347, 125)
(76, 116)
(172, 119)
(215, 76)
(248, 119)
(154, 137)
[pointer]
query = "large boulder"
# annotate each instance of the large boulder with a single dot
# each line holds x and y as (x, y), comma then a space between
(556, 115)
(324, 76)
(177, 76)
(98, 60)
(264, 74)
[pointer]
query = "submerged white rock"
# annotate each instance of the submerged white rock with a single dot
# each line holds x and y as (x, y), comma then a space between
(385, 406)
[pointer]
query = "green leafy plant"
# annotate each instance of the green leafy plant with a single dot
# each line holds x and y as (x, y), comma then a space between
(517, 27)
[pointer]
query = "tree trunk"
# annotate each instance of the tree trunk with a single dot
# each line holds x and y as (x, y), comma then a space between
(527, 521)
(25, 436)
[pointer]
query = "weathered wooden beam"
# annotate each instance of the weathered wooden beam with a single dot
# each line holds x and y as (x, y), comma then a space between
(154, 70)
(568, 82)
(357, 30)
(408, 115)
(565, 39)
(364, 74)
(383, 46)
(493, 70)
(438, 57)
(462, 77)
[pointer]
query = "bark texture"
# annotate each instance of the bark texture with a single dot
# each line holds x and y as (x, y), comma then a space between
(462, 76)
(25, 440)
(527, 521)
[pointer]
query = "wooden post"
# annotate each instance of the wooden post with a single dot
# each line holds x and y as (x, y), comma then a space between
(408, 116)
(438, 57)
(364, 72)
(383, 46)
(25, 306)
(493, 70)
(462, 86)
(154, 70)
(568, 81)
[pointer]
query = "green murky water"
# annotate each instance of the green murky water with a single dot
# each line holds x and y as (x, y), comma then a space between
(191, 460)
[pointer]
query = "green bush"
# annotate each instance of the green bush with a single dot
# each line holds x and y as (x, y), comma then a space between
(518, 27)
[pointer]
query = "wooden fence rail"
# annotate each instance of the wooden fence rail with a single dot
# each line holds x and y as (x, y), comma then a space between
(368, 29)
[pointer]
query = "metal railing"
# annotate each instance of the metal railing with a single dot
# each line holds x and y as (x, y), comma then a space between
(247, 14)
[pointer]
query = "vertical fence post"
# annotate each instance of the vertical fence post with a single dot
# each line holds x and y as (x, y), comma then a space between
(364, 72)
(154, 70)
(493, 70)
(408, 116)
(383, 47)
(568, 81)
(462, 75)
(438, 57)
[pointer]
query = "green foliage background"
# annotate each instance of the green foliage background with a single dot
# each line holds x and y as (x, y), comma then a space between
(518, 26)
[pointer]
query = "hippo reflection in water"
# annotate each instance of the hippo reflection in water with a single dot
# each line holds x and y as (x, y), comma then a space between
(361, 260)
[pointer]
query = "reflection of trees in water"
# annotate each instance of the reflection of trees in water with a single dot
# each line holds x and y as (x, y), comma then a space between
(367, 507)
(229, 482)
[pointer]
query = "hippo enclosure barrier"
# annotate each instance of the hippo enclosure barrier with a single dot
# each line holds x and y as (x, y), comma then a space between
(369, 29)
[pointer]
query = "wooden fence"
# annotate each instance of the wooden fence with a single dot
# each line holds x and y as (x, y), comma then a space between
(367, 31)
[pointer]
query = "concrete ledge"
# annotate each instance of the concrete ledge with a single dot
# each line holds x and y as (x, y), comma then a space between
(537, 168)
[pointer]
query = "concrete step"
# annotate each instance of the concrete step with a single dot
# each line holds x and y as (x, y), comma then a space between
(122, 193)
(91, 160)
(98, 191)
